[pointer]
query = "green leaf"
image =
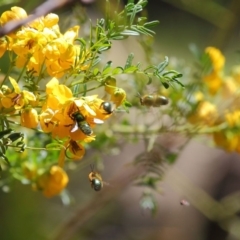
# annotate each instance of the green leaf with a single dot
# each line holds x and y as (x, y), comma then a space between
(95, 71)
(16, 136)
(117, 70)
(3, 148)
(151, 24)
(107, 65)
(75, 90)
(129, 61)
(129, 33)
(127, 104)
(118, 37)
(142, 19)
(162, 65)
(5, 158)
(107, 71)
(131, 69)
(84, 90)
(133, 15)
(104, 48)
(81, 41)
(96, 61)
(165, 84)
(178, 82)
(149, 80)
(179, 75)
(4, 132)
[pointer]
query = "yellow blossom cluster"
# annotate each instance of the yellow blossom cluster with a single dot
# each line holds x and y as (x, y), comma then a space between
(214, 80)
(229, 138)
(55, 117)
(218, 108)
(206, 114)
(40, 47)
(41, 43)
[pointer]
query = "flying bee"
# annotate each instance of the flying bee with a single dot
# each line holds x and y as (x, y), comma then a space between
(81, 123)
(95, 179)
(153, 100)
(107, 107)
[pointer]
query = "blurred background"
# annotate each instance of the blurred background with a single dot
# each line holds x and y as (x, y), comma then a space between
(202, 174)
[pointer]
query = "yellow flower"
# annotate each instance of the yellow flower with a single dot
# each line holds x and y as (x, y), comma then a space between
(72, 150)
(16, 13)
(233, 118)
(29, 170)
(3, 46)
(52, 182)
(229, 87)
(235, 73)
(118, 96)
(47, 121)
(71, 34)
(75, 150)
(110, 85)
(29, 118)
(213, 82)
(18, 98)
(217, 59)
(229, 142)
(199, 96)
(60, 91)
(206, 113)
(96, 106)
(50, 20)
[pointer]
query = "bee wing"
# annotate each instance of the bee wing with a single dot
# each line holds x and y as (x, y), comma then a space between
(98, 121)
(75, 128)
(106, 183)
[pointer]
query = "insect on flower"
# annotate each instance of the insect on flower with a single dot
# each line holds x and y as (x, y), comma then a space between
(153, 100)
(81, 123)
(107, 107)
(95, 179)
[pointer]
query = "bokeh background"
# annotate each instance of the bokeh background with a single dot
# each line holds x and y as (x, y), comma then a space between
(202, 175)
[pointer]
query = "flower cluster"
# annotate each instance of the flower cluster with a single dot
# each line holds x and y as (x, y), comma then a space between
(214, 79)
(57, 117)
(217, 105)
(40, 44)
(40, 47)
(47, 84)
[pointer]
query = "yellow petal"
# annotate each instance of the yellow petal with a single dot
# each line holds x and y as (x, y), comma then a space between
(53, 182)
(71, 34)
(51, 85)
(50, 20)
(29, 95)
(15, 85)
(29, 118)
(76, 150)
